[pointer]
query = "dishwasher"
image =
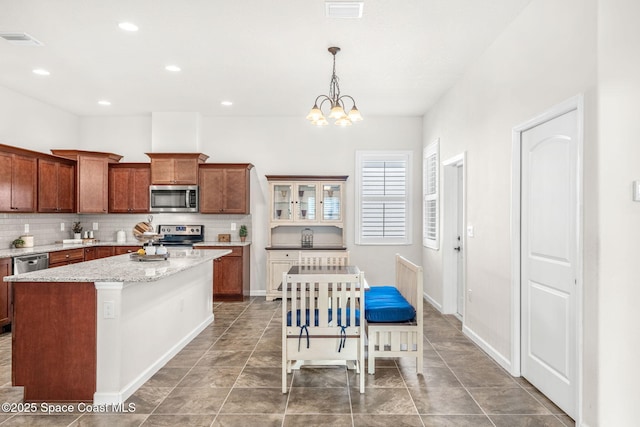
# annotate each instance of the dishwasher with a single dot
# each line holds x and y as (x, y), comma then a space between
(27, 263)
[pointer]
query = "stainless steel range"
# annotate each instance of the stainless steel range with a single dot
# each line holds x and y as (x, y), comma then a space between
(181, 235)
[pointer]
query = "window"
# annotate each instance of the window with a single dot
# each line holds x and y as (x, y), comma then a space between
(383, 198)
(431, 208)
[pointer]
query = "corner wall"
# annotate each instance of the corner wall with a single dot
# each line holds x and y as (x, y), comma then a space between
(547, 55)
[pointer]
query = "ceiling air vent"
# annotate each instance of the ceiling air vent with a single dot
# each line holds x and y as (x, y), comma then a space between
(343, 9)
(22, 39)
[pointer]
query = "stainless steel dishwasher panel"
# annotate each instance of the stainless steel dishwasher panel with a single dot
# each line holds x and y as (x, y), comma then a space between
(27, 263)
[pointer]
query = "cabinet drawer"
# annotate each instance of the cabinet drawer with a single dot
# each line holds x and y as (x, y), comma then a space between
(66, 256)
(283, 255)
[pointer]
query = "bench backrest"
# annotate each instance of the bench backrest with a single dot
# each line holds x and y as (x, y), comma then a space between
(409, 283)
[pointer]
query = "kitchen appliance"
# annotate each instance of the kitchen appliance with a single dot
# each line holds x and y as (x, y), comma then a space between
(121, 236)
(27, 263)
(28, 241)
(173, 198)
(180, 235)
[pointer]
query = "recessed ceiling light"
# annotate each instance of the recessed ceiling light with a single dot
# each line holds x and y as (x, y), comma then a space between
(41, 72)
(128, 26)
(104, 102)
(173, 68)
(226, 103)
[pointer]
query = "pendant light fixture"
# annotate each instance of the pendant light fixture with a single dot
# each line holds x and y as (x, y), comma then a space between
(335, 101)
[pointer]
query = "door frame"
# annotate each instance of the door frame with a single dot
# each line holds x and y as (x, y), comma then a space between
(450, 195)
(574, 103)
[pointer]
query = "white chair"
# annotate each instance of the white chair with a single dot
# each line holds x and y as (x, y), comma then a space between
(323, 319)
(313, 259)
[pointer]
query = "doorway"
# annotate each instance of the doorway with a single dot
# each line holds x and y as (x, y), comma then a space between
(454, 241)
(547, 253)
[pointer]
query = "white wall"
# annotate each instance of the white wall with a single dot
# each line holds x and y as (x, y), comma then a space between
(31, 124)
(619, 166)
(129, 136)
(548, 54)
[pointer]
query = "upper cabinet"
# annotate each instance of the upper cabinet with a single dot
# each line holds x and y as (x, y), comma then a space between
(92, 177)
(18, 178)
(306, 200)
(129, 187)
(56, 185)
(175, 168)
(224, 188)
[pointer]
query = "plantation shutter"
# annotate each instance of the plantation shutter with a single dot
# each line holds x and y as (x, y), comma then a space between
(384, 199)
(431, 209)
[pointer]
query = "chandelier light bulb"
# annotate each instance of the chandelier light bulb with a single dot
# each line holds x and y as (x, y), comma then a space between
(335, 101)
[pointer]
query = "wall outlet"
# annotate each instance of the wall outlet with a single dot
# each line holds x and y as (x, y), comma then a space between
(109, 308)
(469, 230)
(95, 225)
(233, 226)
(26, 228)
(469, 293)
(62, 226)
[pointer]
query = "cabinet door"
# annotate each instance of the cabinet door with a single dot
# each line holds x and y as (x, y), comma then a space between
(92, 185)
(66, 188)
(211, 190)
(227, 276)
(306, 202)
(5, 292)
(282, 198)
(140, 179)
(23, 188)
(120, 250)
(5, 182)
(236, 191)
(162, 171)
(90, 254)
(185, 171)
(119, 187)
(331, 202)
(47, 186)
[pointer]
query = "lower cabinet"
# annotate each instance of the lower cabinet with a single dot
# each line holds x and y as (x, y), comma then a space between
(97, 252)
(5, 292)
(66, 257)
(231, 276)
(279, 261)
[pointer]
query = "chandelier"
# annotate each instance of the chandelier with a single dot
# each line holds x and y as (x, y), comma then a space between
(336, 102)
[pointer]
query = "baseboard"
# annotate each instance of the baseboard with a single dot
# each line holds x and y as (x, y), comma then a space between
(433, 302)
(129, 389)
(487, 348)
(258, 292)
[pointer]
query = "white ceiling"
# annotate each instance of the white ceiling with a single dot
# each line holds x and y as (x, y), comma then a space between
(267, 56)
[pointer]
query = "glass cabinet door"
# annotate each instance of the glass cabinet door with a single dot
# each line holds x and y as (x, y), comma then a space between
(282, 202)
(306, 202)
(331, 202)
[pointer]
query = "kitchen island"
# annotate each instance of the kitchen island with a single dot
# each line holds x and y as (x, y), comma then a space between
(97, 330)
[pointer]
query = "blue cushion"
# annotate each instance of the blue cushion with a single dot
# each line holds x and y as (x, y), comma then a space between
(330, 317)
(385, 304)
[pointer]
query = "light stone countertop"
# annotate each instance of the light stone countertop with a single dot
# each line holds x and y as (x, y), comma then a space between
(122, 268)
(42, 249)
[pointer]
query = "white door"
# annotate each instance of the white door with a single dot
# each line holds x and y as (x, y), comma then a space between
(459, 240)
(549, 256)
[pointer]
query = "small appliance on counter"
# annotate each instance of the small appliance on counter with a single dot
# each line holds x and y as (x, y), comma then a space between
(28, 241)
(121, 236)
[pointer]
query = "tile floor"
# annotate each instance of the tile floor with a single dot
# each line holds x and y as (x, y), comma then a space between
(230, 376)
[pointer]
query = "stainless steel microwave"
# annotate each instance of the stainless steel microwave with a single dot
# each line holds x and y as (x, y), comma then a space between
(173, 198)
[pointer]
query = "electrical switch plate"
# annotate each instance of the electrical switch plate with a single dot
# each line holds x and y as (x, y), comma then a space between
(109, 308)
(95, 225)
(233, 226)
(636, 191)
(62, 226)
(470, 230)
(26, 228)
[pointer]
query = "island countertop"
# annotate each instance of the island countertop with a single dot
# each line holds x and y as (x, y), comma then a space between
(122, 268)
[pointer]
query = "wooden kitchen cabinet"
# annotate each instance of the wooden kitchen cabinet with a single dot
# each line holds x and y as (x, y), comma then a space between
(56, 185)
(97, 252)
(129, 187)
(224, 188)
(120, 250)
(18, 177)
(66, 257)
(175, 168)
(5, 292)
(92, 177)
(231, 275)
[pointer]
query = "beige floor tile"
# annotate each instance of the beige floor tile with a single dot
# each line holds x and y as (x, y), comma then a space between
(383, 401)
(507, 400)
(444, 401)
(456, 421)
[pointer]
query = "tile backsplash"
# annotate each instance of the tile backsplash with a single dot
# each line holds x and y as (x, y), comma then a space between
(46, 227)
